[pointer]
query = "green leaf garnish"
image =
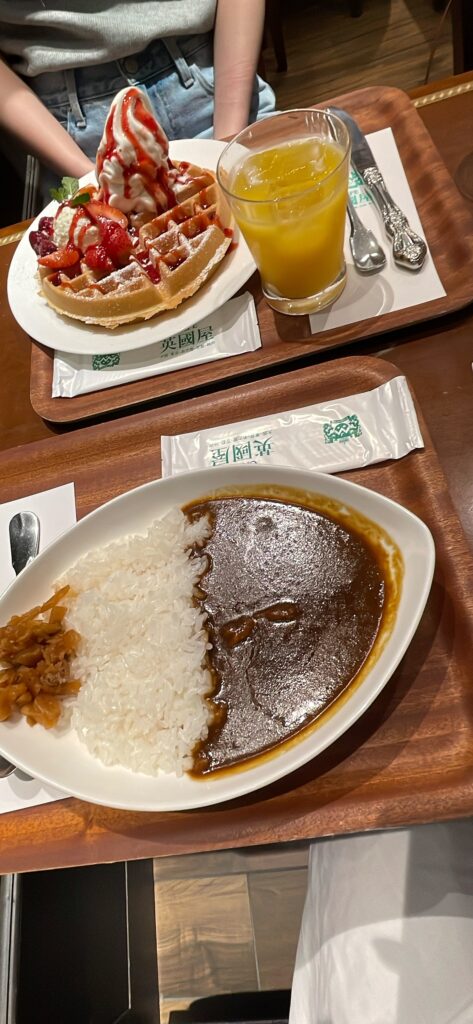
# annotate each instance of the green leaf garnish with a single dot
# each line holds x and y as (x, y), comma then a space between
(80, 200)
(66, 189)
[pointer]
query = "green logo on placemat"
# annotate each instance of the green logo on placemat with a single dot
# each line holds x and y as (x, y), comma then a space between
(105, 362)
(341, 430)
(359, 194)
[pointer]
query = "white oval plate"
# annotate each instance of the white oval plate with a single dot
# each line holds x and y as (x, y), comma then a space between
(34, 315)
(62, 761)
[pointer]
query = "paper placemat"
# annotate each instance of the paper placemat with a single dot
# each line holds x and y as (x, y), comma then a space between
(367, 296)
(56, 511)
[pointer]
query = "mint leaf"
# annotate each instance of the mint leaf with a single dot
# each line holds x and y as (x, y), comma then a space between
(80, 200)
(56, 193)
(66, 189)
(71, 185)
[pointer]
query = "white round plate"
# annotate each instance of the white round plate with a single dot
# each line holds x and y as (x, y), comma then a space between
(62, 761)
(34, 315)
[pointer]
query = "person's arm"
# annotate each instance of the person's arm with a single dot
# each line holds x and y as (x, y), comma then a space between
(237, 44)
(24, 116)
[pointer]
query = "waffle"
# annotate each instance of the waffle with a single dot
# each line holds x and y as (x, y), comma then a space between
(177, 252)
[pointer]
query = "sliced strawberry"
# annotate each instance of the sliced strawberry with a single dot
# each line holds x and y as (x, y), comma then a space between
(97, 258)
(60, 259)
(116, 241)
(90, 190)
(102, 211)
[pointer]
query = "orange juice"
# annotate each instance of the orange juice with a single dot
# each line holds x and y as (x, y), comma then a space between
(290, 203)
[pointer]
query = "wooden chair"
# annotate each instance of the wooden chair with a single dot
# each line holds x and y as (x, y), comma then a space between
(462, 29)
(274, 31)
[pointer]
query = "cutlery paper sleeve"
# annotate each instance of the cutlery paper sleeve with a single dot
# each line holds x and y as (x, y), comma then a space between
(231, 330)
(331, 437)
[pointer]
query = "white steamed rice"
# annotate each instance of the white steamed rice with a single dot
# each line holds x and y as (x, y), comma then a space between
(141, 659)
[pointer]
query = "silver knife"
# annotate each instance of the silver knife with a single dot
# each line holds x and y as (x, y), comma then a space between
(24, 539)
(409, 250)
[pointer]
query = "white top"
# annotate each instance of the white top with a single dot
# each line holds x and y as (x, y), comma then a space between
(53, 35)
(387, 929)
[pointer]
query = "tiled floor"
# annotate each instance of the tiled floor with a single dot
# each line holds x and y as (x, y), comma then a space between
(228, 922)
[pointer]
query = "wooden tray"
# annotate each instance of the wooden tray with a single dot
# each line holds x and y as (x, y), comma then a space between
(409, 759)
(448, 226)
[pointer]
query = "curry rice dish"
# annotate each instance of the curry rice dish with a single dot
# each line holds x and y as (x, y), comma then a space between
(229, 628)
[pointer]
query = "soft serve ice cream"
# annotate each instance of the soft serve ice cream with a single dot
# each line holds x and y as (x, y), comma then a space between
(140, 242)
(134, 175)
(73, 225)
(133, 166)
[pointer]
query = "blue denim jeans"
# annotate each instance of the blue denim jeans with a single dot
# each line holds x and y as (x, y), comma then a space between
(177, 74)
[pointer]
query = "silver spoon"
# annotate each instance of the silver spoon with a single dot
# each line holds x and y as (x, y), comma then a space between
(24, 545)
(6, 768)
(24, 539)
(368, 256)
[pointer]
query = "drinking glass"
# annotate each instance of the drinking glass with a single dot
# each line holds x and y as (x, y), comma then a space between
(286, 179)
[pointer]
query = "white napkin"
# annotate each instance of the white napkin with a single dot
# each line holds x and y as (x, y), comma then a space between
(229, 331)
(56, 510)
(366, 296)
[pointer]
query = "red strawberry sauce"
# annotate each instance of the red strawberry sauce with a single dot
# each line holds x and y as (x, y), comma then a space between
(142, 165)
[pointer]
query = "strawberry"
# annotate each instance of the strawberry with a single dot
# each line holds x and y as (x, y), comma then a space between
(97, 258)
(86, 190)
(46, 226)
(60, 259)
(101, 211)
(116, 241)
(41, 243)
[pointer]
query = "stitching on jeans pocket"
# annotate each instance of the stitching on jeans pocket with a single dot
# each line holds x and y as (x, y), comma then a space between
(74, 130)
(70, 124)
(200, 79)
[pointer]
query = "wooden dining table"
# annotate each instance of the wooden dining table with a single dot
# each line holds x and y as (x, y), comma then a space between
(410, 758)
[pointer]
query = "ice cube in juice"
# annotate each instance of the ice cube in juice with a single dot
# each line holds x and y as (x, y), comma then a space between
(290, 203)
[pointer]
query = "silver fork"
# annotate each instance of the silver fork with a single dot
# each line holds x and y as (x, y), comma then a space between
(368, 255)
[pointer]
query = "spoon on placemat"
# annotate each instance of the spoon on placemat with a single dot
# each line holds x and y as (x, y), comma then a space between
(24, 539)
(24, 546)
(368, 255)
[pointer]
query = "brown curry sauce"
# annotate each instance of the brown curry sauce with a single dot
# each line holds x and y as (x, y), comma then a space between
(300, 594)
